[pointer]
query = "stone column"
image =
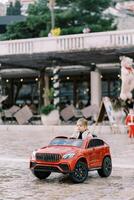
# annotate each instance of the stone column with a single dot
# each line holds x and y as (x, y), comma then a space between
(46, 90)
(96, 91)
(56, 86)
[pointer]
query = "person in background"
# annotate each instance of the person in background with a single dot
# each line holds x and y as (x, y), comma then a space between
(129, 121)
(82, 130)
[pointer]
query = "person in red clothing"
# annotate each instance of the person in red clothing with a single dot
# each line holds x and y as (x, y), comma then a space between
(130, 122)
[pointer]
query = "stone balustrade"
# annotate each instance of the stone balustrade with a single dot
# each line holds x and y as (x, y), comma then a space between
(109, 39)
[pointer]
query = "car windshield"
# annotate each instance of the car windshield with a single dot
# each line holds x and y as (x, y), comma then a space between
(66, 142)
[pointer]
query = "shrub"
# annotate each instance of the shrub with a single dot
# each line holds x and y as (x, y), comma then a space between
(47, 109)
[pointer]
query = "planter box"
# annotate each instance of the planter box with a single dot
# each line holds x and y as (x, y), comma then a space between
(53, 118)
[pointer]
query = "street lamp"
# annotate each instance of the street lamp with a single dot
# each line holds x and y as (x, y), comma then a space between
(51, 5)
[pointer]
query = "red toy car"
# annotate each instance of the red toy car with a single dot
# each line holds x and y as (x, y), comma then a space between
(72, 156)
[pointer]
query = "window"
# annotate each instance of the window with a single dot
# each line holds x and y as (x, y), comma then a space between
(26, 93)
(74, 91)
(82, 93)
(95, 143)
(110, 87)
(66, 93)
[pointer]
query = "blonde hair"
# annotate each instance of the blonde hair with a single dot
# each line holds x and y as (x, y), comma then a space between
(83, 121)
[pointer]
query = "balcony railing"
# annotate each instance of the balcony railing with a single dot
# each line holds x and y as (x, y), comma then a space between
(110, 39)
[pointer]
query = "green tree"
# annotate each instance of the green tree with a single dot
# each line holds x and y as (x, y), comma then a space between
(10, 9)
(86, 13)
(72, 16)
(14, 9)
(17, 8)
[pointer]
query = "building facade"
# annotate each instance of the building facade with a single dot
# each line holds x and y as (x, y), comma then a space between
(78, 86)
(2, 9)
(97, 75)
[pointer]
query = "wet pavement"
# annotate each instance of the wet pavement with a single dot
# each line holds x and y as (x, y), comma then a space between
(17, 182)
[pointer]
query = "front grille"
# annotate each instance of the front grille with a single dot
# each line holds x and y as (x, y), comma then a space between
(48, 157)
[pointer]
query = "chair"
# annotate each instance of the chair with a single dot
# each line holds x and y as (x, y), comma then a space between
(23, 115)
(90, 111)
(69, 112)
(9, 113)
(3, 98)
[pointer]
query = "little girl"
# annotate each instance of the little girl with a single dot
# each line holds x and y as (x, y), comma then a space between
(81, 129)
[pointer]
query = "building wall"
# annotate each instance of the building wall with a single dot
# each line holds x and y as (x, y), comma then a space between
(125, 18)
(125, 22)
(2, 9)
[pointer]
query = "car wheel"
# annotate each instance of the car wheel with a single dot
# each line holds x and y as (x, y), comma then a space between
(106, 169)
(80, 172)
(41, 175)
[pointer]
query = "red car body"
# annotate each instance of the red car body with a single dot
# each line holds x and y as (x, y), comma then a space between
(73, 156)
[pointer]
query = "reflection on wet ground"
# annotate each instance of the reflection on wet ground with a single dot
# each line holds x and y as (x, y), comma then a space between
(18, 183)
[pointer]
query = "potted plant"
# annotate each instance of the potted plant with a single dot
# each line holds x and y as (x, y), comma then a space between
(47, 109)
(49, 114)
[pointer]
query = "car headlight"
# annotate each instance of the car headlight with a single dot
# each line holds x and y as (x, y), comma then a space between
(33, 157)
(68, 155)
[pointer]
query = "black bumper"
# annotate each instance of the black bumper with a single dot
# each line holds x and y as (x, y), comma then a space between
(61, 168)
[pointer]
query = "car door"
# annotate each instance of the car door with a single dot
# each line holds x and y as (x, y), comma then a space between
(95, 151)
(91, 153)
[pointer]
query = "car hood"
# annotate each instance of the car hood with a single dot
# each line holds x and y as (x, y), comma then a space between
(59, 149)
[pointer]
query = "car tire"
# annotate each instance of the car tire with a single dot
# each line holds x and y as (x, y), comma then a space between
(41, 175)
(80, 172)
(106, 169)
